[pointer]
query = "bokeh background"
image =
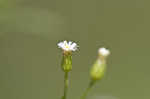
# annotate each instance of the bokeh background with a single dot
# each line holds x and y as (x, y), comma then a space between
(30, 59)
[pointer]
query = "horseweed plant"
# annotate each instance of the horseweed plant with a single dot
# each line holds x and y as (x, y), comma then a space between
(97, 70)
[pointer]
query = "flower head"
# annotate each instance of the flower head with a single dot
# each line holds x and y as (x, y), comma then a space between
(99, 67)
(67, 46)
(103, 52)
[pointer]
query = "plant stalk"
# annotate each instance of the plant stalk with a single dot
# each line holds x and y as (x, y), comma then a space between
(66, 83)
(91, 84)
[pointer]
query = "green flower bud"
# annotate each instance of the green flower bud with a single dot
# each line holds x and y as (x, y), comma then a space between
(98, 70)
(99, 67)
(67, 61)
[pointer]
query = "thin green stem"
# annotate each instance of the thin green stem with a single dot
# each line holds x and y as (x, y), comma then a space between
(87, 90)
(66, 83)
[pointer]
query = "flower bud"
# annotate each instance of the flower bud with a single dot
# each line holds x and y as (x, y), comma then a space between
(99, 67)
(98, 70)
(67, 61)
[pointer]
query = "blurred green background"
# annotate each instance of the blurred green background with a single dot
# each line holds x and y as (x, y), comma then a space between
(30, 59)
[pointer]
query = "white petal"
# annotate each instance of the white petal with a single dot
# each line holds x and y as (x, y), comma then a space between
(74, 45)
(104, 52)
(67, 46)
(69, 43)
(60, 44)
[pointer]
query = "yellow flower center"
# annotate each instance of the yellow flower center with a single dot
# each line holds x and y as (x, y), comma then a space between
(66, 46)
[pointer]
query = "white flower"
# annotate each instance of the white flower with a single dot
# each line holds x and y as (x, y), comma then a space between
(103, 52)
(68, 46)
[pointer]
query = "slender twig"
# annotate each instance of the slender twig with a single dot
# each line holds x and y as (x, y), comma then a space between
(87, 90)
(66, 82)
